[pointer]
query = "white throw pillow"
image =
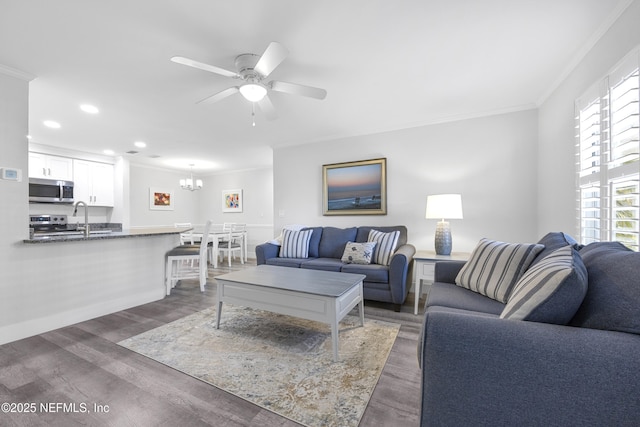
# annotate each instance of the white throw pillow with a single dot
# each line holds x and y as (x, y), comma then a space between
(358, 253)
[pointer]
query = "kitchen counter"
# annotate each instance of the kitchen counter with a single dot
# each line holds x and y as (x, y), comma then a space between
(106, 235)
(70, 279)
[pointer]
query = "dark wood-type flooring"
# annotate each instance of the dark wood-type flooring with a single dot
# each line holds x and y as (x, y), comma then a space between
(82, 377)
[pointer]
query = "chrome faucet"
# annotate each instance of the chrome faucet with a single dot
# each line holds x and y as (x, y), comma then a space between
(86, 216)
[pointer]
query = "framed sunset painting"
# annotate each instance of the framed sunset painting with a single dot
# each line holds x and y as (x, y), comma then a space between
(355, 188)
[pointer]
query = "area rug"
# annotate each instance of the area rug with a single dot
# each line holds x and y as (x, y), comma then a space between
(281, 363)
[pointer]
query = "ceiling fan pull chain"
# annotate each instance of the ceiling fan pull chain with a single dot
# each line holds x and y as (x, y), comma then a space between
(253, 113)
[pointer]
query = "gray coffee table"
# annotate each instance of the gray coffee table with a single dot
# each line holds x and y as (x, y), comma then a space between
(323, 296)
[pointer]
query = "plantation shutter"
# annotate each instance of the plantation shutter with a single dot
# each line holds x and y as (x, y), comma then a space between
(608, 157)
(589, 153)
(623, 169)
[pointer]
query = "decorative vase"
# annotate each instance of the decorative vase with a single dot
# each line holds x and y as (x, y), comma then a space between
(443, 238)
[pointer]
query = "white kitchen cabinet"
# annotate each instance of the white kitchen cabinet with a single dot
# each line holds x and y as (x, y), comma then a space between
(51, 167)
(93, 182)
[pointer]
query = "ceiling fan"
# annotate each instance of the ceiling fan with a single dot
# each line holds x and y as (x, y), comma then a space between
(253, 69)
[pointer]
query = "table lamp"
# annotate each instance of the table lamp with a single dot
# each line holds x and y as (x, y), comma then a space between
(444, 206)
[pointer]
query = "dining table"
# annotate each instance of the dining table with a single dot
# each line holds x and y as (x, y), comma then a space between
(217, 233)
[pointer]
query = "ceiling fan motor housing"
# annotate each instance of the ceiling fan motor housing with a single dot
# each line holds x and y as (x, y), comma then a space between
(245, 65)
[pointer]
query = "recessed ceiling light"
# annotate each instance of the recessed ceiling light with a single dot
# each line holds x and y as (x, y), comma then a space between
(109, 152)
(89, 109)
(140, 144)
(51, 124)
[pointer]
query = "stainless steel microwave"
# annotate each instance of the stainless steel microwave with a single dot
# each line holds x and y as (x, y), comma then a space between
(50, 191)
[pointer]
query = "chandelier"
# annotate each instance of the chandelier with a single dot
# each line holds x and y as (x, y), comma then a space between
(189, 183)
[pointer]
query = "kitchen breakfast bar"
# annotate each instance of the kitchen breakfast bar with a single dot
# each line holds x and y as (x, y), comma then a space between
(107, 234)
(72, 278)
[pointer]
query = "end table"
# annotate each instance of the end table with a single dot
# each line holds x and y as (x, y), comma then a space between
(424, 267)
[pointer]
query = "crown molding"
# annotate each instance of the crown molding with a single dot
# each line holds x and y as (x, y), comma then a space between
(12, 72)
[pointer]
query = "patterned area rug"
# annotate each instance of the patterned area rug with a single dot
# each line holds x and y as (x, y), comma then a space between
(281, 363)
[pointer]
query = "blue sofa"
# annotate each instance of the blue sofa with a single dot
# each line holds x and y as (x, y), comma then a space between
(480, 369)
(383, 283)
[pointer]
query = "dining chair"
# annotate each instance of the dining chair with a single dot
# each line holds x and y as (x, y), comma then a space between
(233, 242)
(177, 270)
(216, 233)
(186, 237)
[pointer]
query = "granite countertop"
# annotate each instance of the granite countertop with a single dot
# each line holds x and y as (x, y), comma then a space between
(101, 234)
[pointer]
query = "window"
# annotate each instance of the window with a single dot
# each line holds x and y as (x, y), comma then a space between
(608, 157)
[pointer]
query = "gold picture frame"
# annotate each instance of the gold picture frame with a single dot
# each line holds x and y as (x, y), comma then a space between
(355, 188)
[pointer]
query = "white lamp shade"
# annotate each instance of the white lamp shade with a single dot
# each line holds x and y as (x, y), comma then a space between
(253, 92)
(444, 206)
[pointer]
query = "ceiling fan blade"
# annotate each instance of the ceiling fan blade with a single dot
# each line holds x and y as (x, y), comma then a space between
(296, 89)
(267, 108)
(271, 58)
(202, 66)
(219, 96)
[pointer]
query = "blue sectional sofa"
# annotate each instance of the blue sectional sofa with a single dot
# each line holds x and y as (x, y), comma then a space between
(385, 283)
(579, 368)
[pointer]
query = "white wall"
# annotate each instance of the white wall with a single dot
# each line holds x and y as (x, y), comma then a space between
(206, 204)
(49, 285)
(491, 161)
(141, 179)
(14, 287)
(556, 171)
(14, 104)
(257, 196)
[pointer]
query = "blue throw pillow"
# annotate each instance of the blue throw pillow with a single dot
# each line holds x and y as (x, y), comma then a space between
(612, 302)
(333, 241)
(552, 241)
(551, 290)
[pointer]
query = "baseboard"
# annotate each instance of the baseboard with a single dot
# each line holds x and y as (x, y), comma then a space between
(41, 325)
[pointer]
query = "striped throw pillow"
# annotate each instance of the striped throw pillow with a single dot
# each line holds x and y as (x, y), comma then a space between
(550, 291)
(495, 267)
(295, 244)
(385, 245)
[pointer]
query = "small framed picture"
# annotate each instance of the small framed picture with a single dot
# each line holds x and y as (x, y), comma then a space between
(160, 199)
(232, 200)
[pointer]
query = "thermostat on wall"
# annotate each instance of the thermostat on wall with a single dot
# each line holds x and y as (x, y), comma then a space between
(10, 174)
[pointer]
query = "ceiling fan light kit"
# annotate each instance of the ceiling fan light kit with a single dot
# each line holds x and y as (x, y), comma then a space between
(253, 69)
(253, 92)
